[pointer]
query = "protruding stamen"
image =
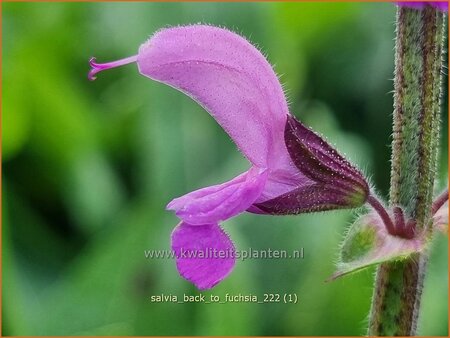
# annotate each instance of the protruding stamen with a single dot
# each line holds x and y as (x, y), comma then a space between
(98, 67)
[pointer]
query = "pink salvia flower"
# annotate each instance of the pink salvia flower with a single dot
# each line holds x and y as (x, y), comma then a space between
(292, 170)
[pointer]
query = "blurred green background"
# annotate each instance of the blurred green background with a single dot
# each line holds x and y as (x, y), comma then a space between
(88, 168)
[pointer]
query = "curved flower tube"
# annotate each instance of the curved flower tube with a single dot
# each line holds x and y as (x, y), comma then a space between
(292, 169)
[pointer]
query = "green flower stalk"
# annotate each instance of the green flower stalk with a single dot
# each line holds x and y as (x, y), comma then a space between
(418, 74)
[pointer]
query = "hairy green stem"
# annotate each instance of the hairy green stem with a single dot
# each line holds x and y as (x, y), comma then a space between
(418, 63)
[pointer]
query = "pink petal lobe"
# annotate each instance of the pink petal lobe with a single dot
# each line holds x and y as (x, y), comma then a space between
(204, 254)
(229, 77)
(220, 202)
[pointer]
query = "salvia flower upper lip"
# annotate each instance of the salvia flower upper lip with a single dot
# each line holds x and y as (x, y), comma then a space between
(293, 170)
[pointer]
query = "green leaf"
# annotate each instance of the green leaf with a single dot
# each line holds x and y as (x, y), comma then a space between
(367, 243)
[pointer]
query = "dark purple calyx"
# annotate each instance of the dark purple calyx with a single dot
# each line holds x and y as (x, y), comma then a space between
(337, 183)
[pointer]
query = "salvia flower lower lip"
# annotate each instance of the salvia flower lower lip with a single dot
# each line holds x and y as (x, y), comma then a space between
(292, 170)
